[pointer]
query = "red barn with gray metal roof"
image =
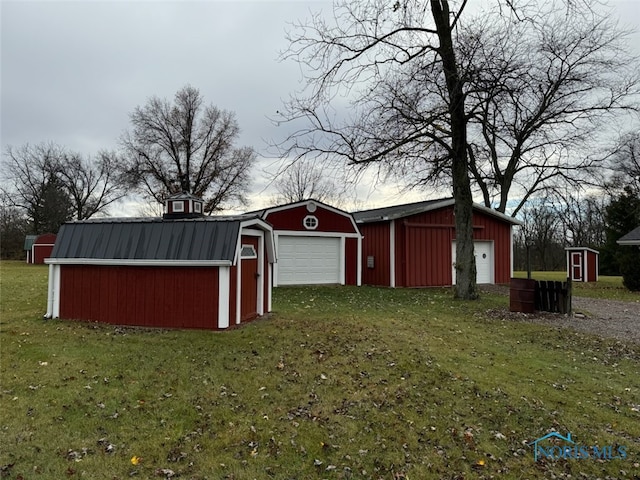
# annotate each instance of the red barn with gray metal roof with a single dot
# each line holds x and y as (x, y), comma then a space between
(39, 247)
(413, 245)
(207, 272)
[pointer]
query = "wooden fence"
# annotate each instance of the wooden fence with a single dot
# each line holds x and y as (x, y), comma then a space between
(528, 295)
(553, 296)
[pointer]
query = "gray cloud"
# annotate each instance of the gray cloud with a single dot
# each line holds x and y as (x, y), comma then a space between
(73, 71)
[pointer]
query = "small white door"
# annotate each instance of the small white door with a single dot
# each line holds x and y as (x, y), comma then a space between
(576, 266)
(483, 251)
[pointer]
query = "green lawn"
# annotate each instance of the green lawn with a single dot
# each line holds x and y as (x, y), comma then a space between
(605, 287)
(340, 383)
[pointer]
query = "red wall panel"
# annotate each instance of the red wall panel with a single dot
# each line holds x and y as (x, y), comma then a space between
(249, 280)
(170, 297)
(423, 244)
(351, 261)
(41, 248)
(428, 256)
(592, 260)
(40, 252)
(499, 232)
(376, 243)
(292, 219)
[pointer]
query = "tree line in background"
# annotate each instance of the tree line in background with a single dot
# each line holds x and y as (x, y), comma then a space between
(595, 220)
(172, 147)
(509, 102)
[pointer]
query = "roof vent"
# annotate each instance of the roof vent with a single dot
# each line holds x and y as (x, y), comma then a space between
(183, 205)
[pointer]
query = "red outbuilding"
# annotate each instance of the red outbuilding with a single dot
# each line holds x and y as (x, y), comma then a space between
(39, 247)
(172, 272)
(582, 264)
(316, 244)
(413, 245)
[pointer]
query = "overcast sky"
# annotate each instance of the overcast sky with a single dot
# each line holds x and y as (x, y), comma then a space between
(73, 71)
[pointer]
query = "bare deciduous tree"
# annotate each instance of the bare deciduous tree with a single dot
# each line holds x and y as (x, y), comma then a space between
(92, 185)
(14, 225)
(33, 185)
(347, 60)
(433, 95)
(582, 220)
(625, 164)
(187, 146)
(303, 180)
(542, 235)
(52, 184)
(540, 90)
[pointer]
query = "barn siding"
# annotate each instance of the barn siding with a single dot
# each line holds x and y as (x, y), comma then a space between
(423, 248)
(184, 297)
(249, 282)
(375, 242)
(428, 256)
(592, 272)
(233, 291)
(426, 248)
(42, 248)
(351, 261)
(500, 233)
(292, 219)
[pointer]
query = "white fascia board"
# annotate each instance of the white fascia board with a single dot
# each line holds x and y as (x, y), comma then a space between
(359, 263)
(313, 233)
(262, 228)
(53, 292)
(497, 214)
(580, 249)
(224, 288)
(392, 253)
(137, 262)
(256, 223)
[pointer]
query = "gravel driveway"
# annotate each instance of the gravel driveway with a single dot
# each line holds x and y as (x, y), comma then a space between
(613, 318)
(608, 318)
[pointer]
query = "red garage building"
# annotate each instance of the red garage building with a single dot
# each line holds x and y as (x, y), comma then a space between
(39, 247)
(316, 244)
(413, 245)
(206, 272)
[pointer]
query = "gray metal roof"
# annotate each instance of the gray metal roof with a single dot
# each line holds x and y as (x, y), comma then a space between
(29, 241)
(206, 238)
(408, 209)
(399, 211)
(631, 238)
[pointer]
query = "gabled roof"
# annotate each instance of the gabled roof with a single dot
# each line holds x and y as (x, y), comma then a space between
(581, 249)
(408, 209)
(152, 239)
(553, 435)
(266, 211)
(631, 238)
(184, 196)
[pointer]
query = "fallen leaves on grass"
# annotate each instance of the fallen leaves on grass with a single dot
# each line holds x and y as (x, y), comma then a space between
(165, 472)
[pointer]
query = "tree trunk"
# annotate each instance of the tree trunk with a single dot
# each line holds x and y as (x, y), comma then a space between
(463, 209)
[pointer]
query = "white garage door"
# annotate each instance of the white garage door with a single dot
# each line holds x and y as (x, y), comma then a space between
(308, 260)
(484, 261)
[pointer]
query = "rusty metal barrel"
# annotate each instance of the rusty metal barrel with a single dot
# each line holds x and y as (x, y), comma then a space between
(522, 295)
